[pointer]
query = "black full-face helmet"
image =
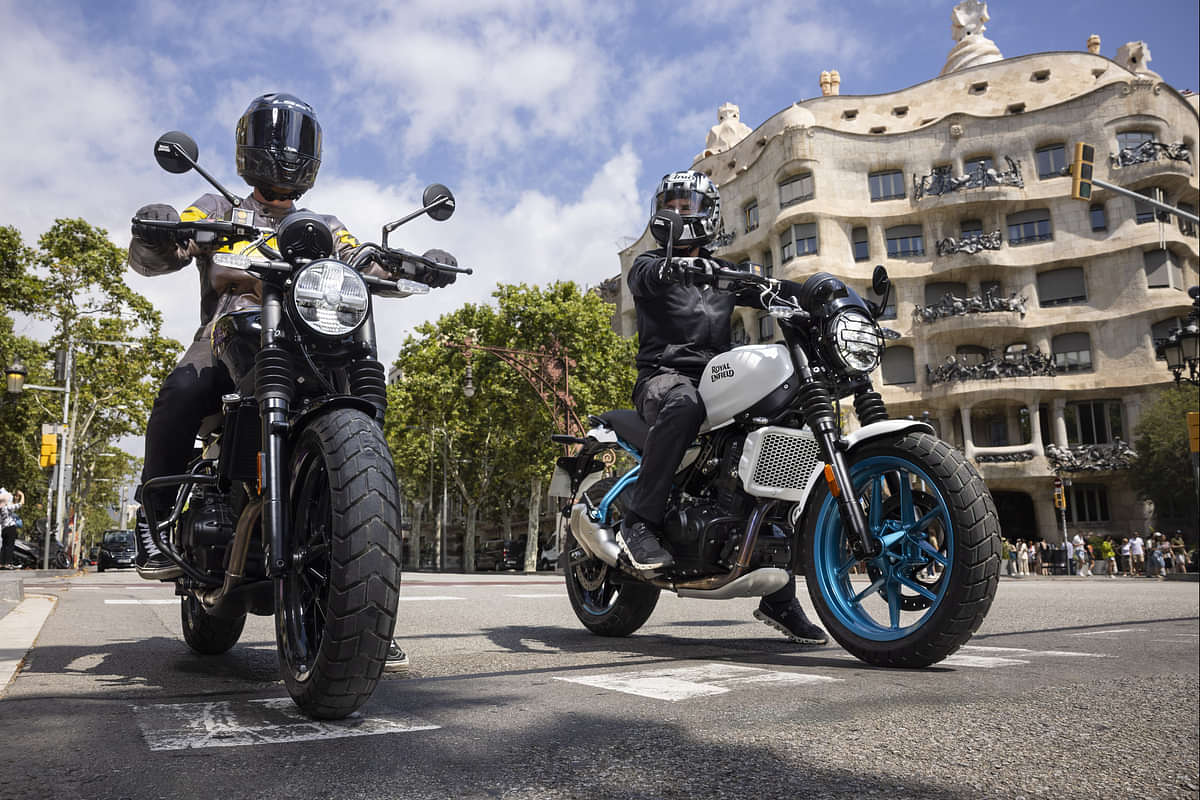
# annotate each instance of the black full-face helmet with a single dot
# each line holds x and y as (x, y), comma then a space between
(279, 146)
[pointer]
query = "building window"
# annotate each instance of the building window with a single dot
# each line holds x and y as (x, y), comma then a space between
(898, 366)
(971, 354)
(795, 190)
(1095, 422)
(990, 286)
(751, 215)
(1162, 271)
(978, 88)
(1061, 287)
(799, 240)
(972, 228)
(737, 333)
(768, 264)
(1087, 503)
(989, 428)
(886, 185)
(1132, 140)
(904, 241)
(1051, 160)
(1072, 352)
(1144, 212)
(1186, 226)
(934, 292)
(978, 164)
(766, 327)
(862, 249)
(1098, 217)
(1029, 226)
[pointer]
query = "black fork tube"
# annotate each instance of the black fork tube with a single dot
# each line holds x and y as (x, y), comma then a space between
(818, 412)
(275, 390)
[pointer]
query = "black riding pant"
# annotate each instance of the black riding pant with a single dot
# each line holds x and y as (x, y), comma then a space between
(670, 404)
(7, 537)
(189, 394)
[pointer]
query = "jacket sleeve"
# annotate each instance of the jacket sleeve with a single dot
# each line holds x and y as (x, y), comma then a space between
(343, 240)
(645, 276)
(148, 260)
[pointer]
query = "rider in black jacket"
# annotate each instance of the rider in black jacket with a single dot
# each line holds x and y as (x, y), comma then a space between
(681, 326)
(278, 154)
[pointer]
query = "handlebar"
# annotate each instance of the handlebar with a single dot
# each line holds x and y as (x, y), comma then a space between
(233, 230)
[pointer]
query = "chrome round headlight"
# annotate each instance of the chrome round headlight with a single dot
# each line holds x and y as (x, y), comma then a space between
(330, 298)
(856, 341)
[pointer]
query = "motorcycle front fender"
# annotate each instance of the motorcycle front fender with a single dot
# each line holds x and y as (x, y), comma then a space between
(885, 428)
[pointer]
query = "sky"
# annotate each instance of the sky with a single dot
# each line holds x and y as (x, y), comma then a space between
(551, 121)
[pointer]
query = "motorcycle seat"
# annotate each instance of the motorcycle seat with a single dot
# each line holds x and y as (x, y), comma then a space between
(628, 425)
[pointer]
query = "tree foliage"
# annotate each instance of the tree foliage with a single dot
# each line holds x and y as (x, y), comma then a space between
(498, 441)
(1163, 470)
(73, 282)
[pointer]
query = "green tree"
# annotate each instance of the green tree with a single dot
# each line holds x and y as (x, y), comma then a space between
(497, 442)
(74, 282)
(1163, 470)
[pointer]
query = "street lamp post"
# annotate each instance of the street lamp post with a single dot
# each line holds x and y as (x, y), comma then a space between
(1181, 348)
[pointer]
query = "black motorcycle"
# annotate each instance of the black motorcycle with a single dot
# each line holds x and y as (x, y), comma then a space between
(28, 553)
(292, 506)
(893, 529)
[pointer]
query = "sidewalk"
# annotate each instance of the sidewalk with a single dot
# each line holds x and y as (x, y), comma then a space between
(12, 588)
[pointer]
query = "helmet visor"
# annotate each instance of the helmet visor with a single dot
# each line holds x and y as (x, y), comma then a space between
(684, 202)
(283, 130)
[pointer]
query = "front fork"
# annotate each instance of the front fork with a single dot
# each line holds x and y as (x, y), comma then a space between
(819, 414)
(274, 388)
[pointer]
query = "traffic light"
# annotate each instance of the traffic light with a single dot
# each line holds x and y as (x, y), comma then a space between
(1081, 171)
(49, 450)
(60, 366)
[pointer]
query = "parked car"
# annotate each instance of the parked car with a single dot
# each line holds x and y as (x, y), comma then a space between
(117, 549)
(500, 554)
(93, 554)
(548, 558)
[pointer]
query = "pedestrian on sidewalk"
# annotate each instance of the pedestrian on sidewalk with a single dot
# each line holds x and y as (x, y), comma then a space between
(1125, 556)
(1110, 556)
(1009, 556)
(1179, 548)
(1137, 554)
(1022, 558)
(1155, 567)
(10, 504)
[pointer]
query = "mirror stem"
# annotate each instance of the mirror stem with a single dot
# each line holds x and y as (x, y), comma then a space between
(391, 226)
(236, 201)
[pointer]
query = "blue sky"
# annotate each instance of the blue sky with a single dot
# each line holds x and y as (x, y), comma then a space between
(551, 121)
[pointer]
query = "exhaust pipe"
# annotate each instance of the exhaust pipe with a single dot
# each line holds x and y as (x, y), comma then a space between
(598, 541)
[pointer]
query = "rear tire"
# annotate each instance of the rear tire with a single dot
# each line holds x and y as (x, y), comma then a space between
(206, 634)
(607, 603)
(336, 608)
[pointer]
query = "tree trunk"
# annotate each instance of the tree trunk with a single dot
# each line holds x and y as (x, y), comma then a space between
(415, 540)
(469, 538)
(535, 510)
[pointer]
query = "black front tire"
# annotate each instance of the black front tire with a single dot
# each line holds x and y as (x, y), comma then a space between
(336, 608)
(206, 634)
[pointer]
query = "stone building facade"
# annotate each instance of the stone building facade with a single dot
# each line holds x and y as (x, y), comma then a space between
(1027, 318)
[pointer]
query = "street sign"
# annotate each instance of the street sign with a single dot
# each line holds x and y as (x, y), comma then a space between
(1193, 423)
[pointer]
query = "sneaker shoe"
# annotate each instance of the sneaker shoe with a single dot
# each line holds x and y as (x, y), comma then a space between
(397, 659)
(642, 547)
(150, 561)
(791, 622)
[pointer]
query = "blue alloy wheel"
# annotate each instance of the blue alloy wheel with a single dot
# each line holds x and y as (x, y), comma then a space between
(931, 584)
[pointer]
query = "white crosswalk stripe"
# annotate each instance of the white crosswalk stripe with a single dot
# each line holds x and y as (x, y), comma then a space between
(684, 683)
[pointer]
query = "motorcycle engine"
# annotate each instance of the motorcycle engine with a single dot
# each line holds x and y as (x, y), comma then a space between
(206, 529)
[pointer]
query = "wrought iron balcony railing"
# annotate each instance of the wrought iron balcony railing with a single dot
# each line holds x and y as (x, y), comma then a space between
(940, 181)
(953, 306)
(969, 244)
(1026, 364)
(1091, 458)
(1150, 151)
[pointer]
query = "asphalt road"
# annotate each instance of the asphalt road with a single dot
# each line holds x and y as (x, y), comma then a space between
(1072, 688)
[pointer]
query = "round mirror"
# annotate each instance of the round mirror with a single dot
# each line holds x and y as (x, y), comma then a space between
(170, 151)
(880, 283)
(666, 226)
(433, 193)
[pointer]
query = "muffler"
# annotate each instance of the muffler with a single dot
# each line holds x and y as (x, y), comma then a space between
(598, 541)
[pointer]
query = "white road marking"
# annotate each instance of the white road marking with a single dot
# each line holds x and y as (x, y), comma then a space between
(19, 629)
(984, 649)
(1105, 633)
(1028, 653)
(1068, 654)
(135, 601)
(417, 598)
(229, 723)
(983, 662)
(684, 683)
(555, 596)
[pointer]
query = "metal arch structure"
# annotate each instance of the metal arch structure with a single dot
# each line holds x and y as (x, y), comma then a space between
(546, 370)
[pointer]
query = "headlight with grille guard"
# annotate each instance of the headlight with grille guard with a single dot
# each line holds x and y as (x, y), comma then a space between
(855, 340)
(330, 298)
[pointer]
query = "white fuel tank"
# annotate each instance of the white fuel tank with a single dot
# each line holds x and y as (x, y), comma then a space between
(738, 379)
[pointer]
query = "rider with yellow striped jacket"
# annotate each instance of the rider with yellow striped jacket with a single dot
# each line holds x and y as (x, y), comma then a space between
(278, 154)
